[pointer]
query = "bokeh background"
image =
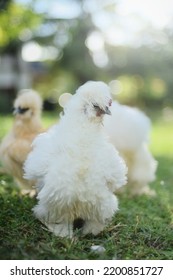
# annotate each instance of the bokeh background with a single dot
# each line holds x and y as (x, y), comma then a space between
(54, 46)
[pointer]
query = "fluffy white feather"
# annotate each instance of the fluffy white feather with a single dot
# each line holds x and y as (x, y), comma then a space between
(129, 131)
(127, 127)
(76, 168)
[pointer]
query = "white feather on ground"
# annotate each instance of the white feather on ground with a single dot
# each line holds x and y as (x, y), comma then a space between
(76, 168)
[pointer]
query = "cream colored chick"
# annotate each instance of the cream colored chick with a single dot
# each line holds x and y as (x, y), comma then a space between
(16, 144)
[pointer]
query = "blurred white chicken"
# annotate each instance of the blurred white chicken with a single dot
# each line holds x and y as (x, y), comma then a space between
(16, 145)
(129, 130)
(76, 168)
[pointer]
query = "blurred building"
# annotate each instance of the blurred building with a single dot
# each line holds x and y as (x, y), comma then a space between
(14, 75)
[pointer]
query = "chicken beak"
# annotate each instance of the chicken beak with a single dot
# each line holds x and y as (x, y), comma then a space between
(101, 111)
(107, 111)
(15, 111)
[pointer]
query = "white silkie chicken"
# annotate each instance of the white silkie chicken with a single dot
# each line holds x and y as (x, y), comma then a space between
(76, 168)
(128, 129)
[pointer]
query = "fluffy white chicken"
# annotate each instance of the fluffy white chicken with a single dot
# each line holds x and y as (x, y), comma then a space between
(76, 168)
(16, 145)
(129, 129)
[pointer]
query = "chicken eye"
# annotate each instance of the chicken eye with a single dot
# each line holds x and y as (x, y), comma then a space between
(96, 106)
(22, 110)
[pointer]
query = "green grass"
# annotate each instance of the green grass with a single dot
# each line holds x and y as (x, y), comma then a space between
(142, 229)
(162, 138)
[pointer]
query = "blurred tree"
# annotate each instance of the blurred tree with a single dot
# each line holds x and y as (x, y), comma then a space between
(4, 4)
(76, 57)
(74, 64)
(15, 21)
(145, 71)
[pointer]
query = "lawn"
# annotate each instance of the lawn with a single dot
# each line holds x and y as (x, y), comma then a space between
(142, 229)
